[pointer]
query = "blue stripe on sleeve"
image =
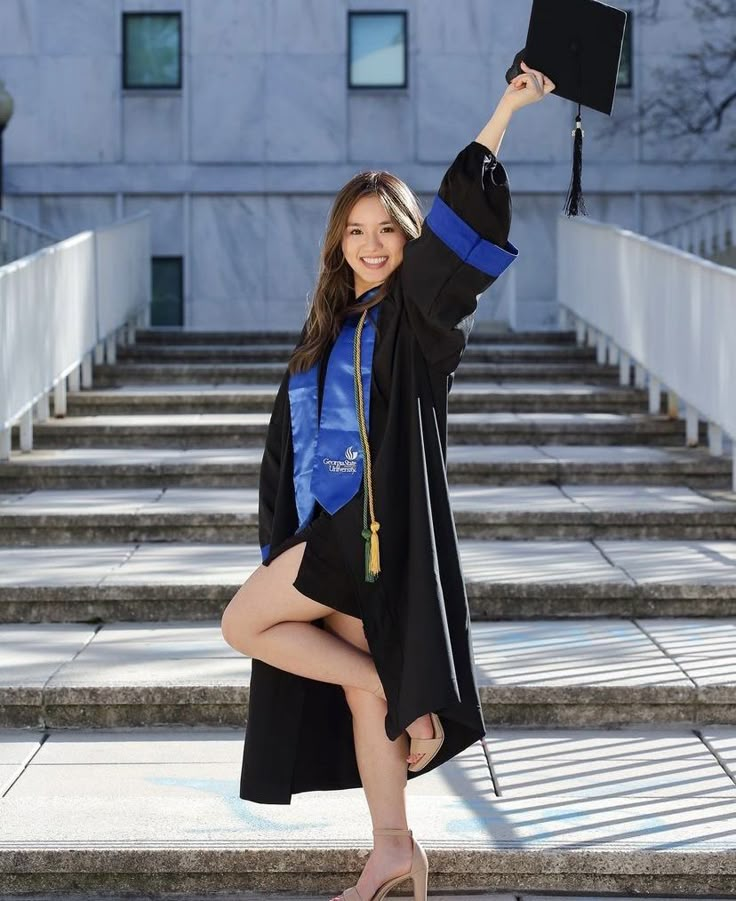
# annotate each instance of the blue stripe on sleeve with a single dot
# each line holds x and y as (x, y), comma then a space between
(466, 242)
(265, 551)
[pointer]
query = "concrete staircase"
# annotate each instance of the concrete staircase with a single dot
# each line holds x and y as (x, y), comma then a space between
(600, 559)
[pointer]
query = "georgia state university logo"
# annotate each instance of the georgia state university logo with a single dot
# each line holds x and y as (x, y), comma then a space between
(349, 464)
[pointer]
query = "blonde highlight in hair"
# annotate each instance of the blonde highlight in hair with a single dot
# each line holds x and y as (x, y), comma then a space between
(335, 282)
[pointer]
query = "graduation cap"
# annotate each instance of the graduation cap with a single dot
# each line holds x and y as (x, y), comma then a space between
(577, 44)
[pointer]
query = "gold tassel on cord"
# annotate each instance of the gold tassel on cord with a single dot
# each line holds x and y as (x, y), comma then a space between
(373, 558)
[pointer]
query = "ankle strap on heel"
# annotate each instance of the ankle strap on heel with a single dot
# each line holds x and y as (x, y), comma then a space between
(388, 831)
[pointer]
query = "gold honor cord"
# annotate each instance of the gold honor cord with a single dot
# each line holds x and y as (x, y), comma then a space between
(372, 558)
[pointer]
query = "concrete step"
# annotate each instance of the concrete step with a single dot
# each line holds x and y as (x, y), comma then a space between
(164, 335)
(221, 430)
(585, 672)
(525, 812)
(244, 353)
(109, 375)
(477, 895)
(504, 580)
(230, 516)
(176, 335)
(468, 397)
(503, 464)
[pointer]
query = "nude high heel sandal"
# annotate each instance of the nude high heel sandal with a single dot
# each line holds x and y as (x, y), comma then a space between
(427, 746)
(418, 873)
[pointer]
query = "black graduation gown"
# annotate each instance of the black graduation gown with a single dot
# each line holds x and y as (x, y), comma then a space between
(415, 616)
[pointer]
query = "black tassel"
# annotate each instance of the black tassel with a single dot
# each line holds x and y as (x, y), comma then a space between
(575, 202)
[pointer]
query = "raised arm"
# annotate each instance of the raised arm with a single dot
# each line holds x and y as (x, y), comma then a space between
(529, 87)
(463, 247)
(493, 131)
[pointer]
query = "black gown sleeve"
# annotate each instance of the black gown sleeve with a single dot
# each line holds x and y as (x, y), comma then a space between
(270, 475)
(270, 471)
(462, 249)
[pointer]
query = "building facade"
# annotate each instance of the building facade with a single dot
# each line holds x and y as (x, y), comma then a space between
(234, 122)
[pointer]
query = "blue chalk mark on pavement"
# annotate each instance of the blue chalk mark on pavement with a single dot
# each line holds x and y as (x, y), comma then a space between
(244, 811)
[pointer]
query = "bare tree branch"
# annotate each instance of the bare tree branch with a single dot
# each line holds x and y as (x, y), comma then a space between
(649, 13)
(695, 97)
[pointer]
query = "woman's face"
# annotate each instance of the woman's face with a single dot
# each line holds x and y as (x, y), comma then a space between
(372, 243)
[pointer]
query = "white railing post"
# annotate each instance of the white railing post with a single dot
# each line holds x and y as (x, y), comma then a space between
(579, 331)
(60, 398)
(692, 431)
(5, 436)
(74, 379)
(26, 431)
(624, 369)
(673, 405)
(87, 370)
(600, 349)
(655, 397)
(42, 408)
(562, 317)
(110, 349)
(715, 439)
(639, 375)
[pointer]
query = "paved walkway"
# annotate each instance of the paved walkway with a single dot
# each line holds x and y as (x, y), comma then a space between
(690, 653)
(529, 499)
(606, 797)
(558, 672)
(477, 453)
(610, 561)
(599, 554)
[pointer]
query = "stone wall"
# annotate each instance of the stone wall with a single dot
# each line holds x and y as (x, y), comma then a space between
(239, 168)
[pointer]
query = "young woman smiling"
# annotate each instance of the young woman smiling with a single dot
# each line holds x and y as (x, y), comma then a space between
(362, 670)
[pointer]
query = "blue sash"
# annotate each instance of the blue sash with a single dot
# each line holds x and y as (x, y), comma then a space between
(328, 461)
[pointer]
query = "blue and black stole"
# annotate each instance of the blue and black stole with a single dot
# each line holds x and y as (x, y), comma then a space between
(328, 457)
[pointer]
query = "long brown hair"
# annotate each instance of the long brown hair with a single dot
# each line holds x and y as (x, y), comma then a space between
(335, 282)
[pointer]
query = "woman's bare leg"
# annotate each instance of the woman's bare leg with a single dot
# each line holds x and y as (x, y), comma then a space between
(382, 766)
(270, 620)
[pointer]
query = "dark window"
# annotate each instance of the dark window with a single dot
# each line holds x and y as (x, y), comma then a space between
(152, 50)
(377, 50)
(624, 70)
(167, 291)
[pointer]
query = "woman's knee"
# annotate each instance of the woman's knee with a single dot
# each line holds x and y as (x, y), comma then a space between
(245, 617)
(237, 624)
(268, 597)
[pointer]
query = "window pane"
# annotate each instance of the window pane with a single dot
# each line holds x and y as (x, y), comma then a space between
(624, 70)
(167, 291)
(152, 44)
(377, 49)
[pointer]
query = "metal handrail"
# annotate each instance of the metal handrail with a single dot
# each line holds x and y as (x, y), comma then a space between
(657, 236)
(666, 314)
(19, 238)
(710, 234)
(64, 308)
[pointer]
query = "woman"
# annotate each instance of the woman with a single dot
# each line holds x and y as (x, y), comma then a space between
(360, 641)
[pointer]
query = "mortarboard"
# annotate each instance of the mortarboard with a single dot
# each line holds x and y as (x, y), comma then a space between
(577, 44)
